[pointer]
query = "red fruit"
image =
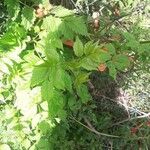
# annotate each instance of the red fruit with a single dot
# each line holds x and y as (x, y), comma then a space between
(102, 67)
(69, 43)
(40, 13)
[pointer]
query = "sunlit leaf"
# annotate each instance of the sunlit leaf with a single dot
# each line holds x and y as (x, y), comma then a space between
(28, 17)
(39, 75)
(78, 47)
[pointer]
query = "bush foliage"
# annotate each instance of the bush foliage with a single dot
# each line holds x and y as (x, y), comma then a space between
(48, 57)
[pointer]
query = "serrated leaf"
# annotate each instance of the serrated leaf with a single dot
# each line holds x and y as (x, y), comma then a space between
(56, 104)
(65, 31)
(104, 56)
(51, 48)
(56, 77)
(12, 38)
(28, 17)
(128, 36)
(89, 48)
(60, 11)
(59, 78)
(111, 48)
(62, 114)
(54, 99)
(76, 24)
(44, 127)
(83, 93)
(57, 43)
(43, 144)
(81, 78)
(12, 8)
(78, 47)
(121, 61)
(31, 58)
(72, 102)
(47, 90)
(112, 69)
(68, 82)
(89, 64)
(51, 24)
(39, 75)
(144, 48)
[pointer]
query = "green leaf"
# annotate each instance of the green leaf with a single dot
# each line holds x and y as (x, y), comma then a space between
(57, 43)
(51, 24)
(104, 56)
(76, 24)
(55, 100)
(60, 11)
(89, 64)
(56, 77)
(131, 41)
(111, 48)
(43, 144)
(12, 8)
(44, 105)
(56, 104)
(112, 69)
(78, 47)
(121, 61)
(144, 48)
(39, 75)
(65, 31)
(68, 82)
(72, 102)
(47, 90)
(62, 114)
(81, 78)
(134, 45)
(12, 38)
(129, 36)
(83, 93)
(44, 127)
(51, 48)
(28, 17)
(90, 47)
(59, 78)
(31, 58)
(18, 127)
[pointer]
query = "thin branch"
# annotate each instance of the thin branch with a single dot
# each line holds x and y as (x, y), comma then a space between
(25, 4)
(92, 129)
(77, 8)
(92, 2)
(130, 119)
(131, 108)
(144, 42)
